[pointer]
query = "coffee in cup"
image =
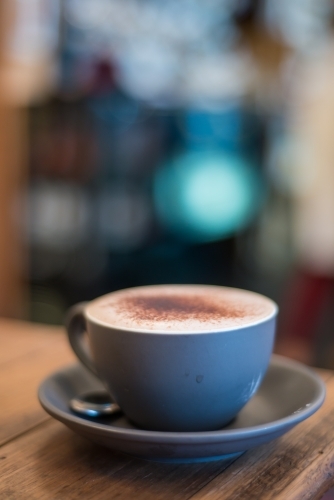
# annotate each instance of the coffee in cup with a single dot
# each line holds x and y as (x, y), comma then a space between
(177, 357)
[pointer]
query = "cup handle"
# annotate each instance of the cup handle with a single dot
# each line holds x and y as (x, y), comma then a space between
(75, 324)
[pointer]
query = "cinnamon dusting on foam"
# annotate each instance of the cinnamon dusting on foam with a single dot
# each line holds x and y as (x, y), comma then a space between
(181, 308)
(177, 308)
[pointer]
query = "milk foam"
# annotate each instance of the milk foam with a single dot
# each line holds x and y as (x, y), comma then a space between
(180, 308)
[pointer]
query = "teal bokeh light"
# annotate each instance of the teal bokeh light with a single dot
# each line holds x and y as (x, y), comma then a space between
(207, 195)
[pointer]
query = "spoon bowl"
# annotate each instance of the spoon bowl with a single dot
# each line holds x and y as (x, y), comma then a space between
(94, 404)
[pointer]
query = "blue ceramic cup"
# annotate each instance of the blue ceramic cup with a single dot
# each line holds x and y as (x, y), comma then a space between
(172, 363)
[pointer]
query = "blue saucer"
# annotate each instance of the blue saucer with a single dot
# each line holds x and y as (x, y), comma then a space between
(289, 393)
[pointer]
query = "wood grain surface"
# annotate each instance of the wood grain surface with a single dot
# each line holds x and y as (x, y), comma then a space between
(28, 353)
(41, 459)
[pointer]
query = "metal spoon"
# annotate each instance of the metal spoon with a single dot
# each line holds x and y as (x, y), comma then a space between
(94, 404)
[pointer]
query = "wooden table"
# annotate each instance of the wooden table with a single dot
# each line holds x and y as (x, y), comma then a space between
(41, 459)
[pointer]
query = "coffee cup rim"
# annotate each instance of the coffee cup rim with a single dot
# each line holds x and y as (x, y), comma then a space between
(226, 329)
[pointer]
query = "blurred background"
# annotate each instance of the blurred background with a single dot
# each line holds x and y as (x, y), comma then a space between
(169, 141)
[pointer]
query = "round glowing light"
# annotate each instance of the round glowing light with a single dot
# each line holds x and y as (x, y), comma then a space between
(207, 195)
